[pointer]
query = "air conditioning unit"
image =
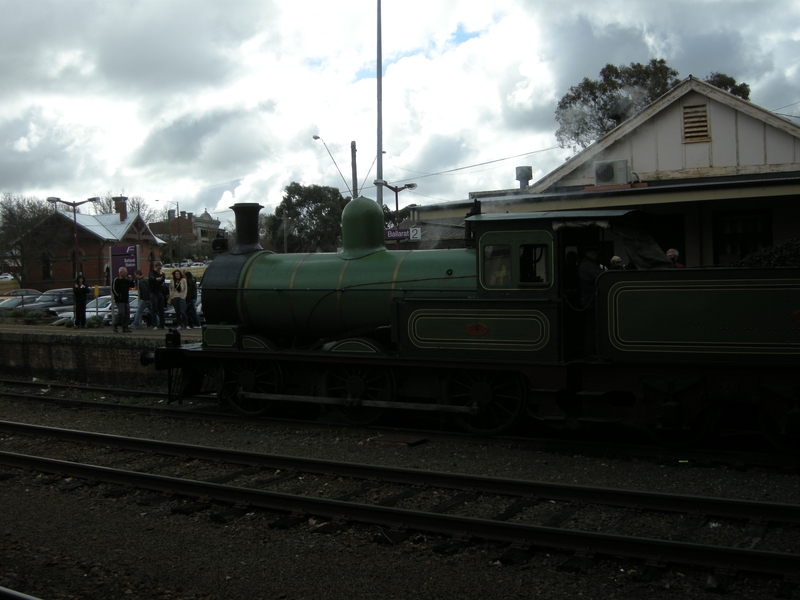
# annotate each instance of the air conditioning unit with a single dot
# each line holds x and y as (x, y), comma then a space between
(611, 172)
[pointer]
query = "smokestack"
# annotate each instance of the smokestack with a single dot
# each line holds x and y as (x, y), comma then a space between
(524, 175)
(246, 227)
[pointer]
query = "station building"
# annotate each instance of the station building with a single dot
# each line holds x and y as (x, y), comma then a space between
(720, 174)
(96, 235)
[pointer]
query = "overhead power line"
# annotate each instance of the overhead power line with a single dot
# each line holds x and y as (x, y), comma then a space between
(422, 174)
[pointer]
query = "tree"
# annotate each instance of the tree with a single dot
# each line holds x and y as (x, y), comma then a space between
(26, 235)
(104, 205)
(308, 219)
(392, 220)
(728, 83)
(592, 108)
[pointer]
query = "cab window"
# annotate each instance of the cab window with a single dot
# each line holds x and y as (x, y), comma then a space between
(516, 260)
(534, 263)
(497, 265)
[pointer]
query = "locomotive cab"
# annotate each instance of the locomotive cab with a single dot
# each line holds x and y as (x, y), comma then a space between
(530, 260)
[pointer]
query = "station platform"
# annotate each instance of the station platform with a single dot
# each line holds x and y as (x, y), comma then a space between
(96, 355)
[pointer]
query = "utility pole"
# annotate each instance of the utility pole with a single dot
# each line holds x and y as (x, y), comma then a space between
(380, 111)
(353, 161)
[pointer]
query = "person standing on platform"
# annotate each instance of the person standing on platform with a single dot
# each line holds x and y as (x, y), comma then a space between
(143, 287)
(79, 294)
(120, 290)
(158, 301)
(179, 298)
(192, 319)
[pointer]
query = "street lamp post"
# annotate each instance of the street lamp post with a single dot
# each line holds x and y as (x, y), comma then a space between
(347, 187)
(178, 212)
(396, 190)
(74, 206)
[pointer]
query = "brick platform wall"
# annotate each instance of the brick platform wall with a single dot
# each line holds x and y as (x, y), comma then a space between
(80, 356)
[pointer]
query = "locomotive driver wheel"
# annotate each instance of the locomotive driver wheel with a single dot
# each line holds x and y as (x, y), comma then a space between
(499, 396)
(360, 382)
(260, 377)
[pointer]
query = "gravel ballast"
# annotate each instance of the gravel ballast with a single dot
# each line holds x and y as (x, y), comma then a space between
(66, 539)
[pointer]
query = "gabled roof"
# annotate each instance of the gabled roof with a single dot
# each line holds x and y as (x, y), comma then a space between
(690, 84)
(108, 227)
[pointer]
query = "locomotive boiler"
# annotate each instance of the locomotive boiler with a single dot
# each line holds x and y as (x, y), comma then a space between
(490, 332)
(327, 295)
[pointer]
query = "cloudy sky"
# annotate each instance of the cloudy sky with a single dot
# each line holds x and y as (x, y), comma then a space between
(208, 103)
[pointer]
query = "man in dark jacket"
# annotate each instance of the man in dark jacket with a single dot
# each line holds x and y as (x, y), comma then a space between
(144, 299)
(119, 290)
(158, 302)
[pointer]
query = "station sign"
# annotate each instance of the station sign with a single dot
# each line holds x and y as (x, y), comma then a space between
(411, 233)
(124, 256)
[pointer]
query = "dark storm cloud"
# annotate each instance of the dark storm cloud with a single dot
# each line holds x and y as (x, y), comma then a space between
(574, 49)
(37, 153)
(206, 197)
(441, 153)
(577, 49)
(530, 119)
(181, 141)
(123, 47)
(726, 52)
(219, 145)
(28, 37)
(734, 54)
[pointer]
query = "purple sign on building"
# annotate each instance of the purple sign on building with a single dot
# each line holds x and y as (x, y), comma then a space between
(124, 256)
(413, 234)
(396, 234)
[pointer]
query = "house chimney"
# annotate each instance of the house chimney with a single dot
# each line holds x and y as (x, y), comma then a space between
(121, 207)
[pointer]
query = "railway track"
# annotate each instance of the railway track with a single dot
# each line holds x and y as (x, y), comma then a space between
(721, 534)
(153, 404)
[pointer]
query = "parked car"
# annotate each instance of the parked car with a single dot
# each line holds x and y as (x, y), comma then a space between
(10, 302)
(60, 298)
(54, 298)
(97, 307)
(171, 321)
(133, 305)
(6, 277)
(23, 292)
(169, 311)
(17, 301)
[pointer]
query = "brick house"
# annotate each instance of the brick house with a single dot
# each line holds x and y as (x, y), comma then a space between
(96, 235)
(186, 235)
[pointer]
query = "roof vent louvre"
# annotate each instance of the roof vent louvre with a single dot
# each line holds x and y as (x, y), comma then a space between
(695, 123)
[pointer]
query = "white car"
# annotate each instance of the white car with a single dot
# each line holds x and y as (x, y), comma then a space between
(6, 277)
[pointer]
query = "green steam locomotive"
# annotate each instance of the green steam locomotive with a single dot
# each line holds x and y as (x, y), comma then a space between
(489, 333)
